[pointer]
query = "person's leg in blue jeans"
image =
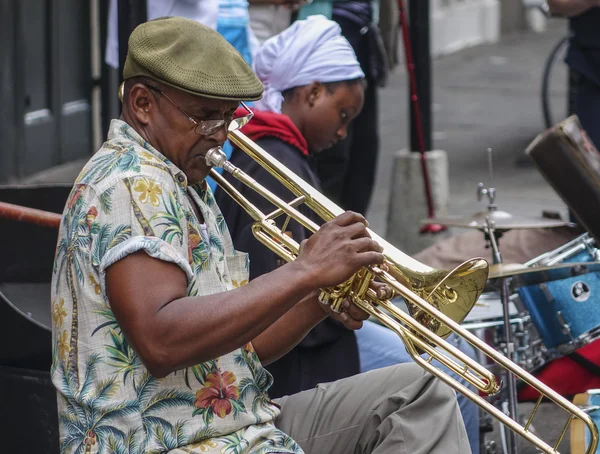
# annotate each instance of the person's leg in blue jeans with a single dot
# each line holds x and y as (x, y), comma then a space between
(380, 347)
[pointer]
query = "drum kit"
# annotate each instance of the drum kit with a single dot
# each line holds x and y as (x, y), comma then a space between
(534, 312)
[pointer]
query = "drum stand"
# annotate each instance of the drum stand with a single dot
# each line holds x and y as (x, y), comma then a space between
(509, 406)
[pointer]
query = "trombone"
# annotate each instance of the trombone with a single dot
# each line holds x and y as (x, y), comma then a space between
(437, 300)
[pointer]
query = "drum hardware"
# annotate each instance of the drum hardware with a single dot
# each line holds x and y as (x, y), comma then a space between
(475, 326)
(590, 409)
(577, 342)
(503, 220)
(565, 326)
(535, 275)
(509, 406)
(582, 243)
(494, 220)
(529, 348)
(490, 192)
(490, 447)
(594, 252)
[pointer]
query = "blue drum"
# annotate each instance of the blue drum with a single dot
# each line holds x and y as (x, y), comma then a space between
(566, 311)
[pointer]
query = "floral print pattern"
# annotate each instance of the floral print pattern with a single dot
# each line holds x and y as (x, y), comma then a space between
(219, 394)
(149, 191)
(130, 198)
(59, 313)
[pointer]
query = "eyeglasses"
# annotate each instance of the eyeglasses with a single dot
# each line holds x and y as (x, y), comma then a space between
(210, 127)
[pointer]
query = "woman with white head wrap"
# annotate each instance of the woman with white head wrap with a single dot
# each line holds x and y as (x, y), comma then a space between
(311, 77)
(309, 51)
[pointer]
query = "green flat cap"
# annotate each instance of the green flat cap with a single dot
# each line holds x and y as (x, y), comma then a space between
(191, 57)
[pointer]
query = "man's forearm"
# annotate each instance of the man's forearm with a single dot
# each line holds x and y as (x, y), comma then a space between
(171, 331)
(289, 330)
(572, 7)
(237, 317)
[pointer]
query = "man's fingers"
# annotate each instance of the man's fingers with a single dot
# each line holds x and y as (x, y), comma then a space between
(353, 311)
(349, 322)
(369, 258)
(382, 290)
(356, 313)
(350, 217)
(352, 324)
(357, 230)
(367, 244)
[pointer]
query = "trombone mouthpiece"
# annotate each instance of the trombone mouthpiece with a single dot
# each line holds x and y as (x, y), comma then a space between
(215, 157)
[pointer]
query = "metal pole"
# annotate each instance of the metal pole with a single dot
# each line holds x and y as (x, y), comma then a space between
(511, 446)
(420, 43)
(30, 215)
(418, 135)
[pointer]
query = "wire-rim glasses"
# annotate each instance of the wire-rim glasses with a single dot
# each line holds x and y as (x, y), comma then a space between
(210, 127)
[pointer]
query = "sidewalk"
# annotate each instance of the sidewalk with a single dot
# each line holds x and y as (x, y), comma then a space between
(484, 97)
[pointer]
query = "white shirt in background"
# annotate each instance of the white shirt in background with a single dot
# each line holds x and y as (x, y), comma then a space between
(203, 11)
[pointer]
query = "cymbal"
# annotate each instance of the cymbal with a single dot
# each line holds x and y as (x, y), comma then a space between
(501, 219)
(522, 276)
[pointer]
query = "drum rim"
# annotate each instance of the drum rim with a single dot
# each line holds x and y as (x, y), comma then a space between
(580, 341)
(495, 322)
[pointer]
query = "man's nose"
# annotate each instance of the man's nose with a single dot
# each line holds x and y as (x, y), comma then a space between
(221, 134)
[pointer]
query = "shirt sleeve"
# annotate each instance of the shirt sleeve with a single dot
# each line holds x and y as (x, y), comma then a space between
(138, 213)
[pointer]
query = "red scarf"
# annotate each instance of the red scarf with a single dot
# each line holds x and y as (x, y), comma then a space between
(270, 124)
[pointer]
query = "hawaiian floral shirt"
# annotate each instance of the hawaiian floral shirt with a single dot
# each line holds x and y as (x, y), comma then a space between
(129, 198)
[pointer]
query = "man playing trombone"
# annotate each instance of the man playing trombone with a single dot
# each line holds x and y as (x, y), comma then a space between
(158, 344)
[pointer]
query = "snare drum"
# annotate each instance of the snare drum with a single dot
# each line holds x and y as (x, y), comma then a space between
(566, 312)
(486, 321)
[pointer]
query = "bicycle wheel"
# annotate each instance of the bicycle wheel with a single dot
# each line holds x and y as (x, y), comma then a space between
(551, 97)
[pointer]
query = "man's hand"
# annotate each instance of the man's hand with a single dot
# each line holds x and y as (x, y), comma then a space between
(338, 250)
(352, 316)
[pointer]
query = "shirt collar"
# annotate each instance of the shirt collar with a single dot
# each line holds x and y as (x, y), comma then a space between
(120, 130)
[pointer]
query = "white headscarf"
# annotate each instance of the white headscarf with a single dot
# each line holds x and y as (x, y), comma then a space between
(311, 50)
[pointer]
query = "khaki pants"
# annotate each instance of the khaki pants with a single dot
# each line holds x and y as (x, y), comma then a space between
(395, 410)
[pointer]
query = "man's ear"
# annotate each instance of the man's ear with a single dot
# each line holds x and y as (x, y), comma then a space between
(314, 92)
(140, 102)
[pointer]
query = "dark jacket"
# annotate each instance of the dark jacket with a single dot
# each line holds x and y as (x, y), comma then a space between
(329, 352)
(584, 52)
